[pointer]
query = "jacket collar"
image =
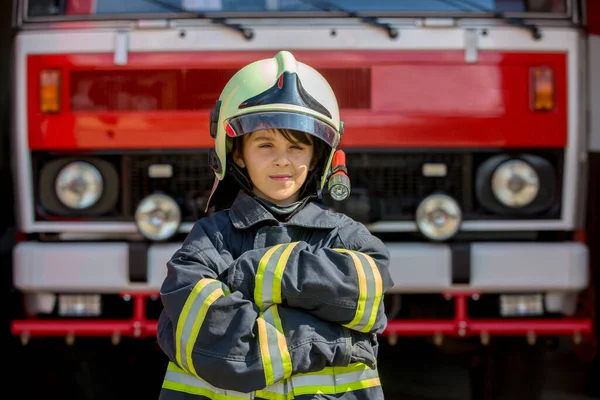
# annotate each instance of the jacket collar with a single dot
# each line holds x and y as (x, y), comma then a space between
(246, 212)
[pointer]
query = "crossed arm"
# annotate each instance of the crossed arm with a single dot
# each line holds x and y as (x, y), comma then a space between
(343, 285)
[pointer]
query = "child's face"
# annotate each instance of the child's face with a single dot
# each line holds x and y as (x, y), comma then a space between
(277, 167)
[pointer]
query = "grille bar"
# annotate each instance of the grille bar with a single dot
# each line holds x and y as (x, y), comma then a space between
(189, 184)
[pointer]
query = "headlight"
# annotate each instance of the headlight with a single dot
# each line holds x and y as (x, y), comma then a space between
(78, 185)
(158, 217)
(515, 183)
(439, 217)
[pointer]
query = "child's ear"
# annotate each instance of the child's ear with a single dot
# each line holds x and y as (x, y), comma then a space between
(238, 159)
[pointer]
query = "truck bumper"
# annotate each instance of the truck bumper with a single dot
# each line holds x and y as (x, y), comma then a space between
(108, 267)
(489, 267)
(560, 270)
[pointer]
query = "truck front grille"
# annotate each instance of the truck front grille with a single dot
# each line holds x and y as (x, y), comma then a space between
(189, 184)
(393, 183)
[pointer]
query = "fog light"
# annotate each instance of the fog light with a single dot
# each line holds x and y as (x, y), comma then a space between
(438, 217)
(513, 305)
(158, 217)
(81, 305)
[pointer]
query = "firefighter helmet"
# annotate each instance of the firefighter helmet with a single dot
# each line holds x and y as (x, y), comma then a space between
(278, 92)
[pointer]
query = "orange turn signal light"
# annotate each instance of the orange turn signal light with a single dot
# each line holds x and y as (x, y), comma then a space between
(542, 89)
(50, 91)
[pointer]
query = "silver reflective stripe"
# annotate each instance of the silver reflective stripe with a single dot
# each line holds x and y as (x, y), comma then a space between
(274, 353)
(271, 268)
(371, 295)
(263, 293)
(280, 357)
(191, 319)
(277, 391)
(370, 288)
(333, 380)
(326, 381)
(181, 381)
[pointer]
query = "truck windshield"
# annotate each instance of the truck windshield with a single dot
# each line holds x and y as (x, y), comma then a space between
(126, 8)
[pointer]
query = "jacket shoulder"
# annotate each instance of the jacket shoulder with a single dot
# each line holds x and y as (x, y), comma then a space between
(342, 221)
(355, 235)
(209, 230)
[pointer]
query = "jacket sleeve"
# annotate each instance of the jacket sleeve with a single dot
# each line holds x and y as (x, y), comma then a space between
(343, 283)
(215, 334)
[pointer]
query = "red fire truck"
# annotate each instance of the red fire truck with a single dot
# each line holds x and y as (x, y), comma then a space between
(466, 140)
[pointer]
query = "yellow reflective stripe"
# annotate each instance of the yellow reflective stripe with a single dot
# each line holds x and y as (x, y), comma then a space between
(178, 387)
(278, 391)
(278, 274)
(330, 380)
(192, 315)
(184, 314)
(362, 287)
(267, 289)
(265, 352)
(330, 371)
(211, 298)
(260, 276)
(179, 380)
(337, 389)
(286, 359)
(335, 380)
(275, 355)
(171, 366)
(378, 292)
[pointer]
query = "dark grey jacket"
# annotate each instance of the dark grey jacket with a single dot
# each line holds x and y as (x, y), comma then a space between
(256, 308)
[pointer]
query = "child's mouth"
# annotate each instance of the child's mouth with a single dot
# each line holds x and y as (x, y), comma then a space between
(280, 178)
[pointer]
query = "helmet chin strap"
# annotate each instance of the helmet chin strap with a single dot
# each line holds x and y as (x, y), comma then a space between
(311, 180)
(240, 176)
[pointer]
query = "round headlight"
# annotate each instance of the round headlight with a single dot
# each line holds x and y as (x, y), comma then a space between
(439, 217)
(158, 217)
(515, 183)
(78, 185)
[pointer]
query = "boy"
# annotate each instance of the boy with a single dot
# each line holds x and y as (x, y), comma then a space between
(274, 297)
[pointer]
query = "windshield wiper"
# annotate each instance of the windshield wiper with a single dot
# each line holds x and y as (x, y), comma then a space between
(329, 6)
(246, 32)
(518, 22)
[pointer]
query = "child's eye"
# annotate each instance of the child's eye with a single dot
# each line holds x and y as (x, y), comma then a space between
(264, 145)
(297, 147)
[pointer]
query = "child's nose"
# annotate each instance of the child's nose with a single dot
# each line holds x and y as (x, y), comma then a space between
(282, 159)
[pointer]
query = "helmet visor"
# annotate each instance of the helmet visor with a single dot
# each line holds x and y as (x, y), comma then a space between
(247, 123)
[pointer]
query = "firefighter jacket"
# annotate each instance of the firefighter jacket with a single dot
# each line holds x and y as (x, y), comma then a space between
(259, 309)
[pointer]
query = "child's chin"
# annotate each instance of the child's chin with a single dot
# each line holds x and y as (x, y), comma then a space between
(282, 196)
